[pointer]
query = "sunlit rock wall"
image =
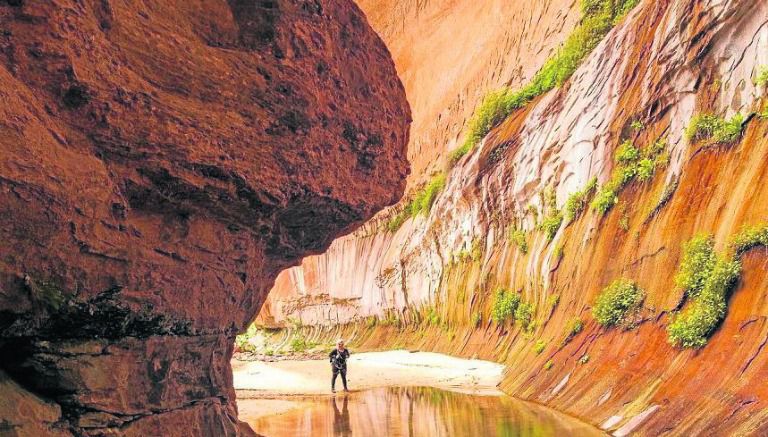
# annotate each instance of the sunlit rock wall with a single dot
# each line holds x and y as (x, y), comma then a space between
(664, 63)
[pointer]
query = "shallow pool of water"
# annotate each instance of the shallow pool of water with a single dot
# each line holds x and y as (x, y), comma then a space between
(407, 411)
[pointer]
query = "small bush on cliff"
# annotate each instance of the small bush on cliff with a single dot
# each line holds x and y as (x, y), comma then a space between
(598, 18)
(548, 365)
(300, 344)
(425, 198)
(572, 329)
(711, 129)
(577, 201)
(524, 314)
(750, 237)
(693, 326)
(616, 301)
(504, 305)
(551, 223)
(421, 203)
(706, 279)
(476, 319)
(631, 163)
(539, 347)
(698, 261)
(519, 239)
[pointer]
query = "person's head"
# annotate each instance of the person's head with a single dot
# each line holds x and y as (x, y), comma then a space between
(340, 344)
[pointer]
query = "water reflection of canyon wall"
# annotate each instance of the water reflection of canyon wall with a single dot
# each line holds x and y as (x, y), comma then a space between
(419, 411)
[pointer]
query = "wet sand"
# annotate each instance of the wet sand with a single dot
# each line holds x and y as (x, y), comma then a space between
(364, 371)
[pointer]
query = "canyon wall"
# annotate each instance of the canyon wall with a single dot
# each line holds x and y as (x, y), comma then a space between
(448, 55)
(431, 283)
(160, 163)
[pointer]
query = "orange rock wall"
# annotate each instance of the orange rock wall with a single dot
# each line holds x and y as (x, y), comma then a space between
(667, 61)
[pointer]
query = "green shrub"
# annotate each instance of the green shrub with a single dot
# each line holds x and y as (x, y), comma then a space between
(598, 19)
(645, 169)
(577, 201)
(631, 163)
(504, 305)
(557, 253)
(616, 301)
(421, 203)
(548, 365)
(432, 317)
(627, 153)
(711, 129)
(637, 125)
(605, 199)
(524, 314)
(750, 237)
(553, 300)
(551, 224)
(584, 359)
(539, 347)
(692, 327)
(476, 319)
(696, 267)
(299, 344)
(518, 238)
(572, 329)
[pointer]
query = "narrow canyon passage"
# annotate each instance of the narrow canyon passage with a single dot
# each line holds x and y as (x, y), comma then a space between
(538, 217)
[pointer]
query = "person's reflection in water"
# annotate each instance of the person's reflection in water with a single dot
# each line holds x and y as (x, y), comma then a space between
(341, 419)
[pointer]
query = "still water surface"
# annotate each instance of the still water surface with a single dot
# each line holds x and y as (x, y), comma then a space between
(412, 411)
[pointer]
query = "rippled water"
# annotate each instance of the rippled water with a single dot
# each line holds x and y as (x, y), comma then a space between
(411, 411)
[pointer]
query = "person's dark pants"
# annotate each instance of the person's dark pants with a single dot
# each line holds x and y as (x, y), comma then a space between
(336, 372)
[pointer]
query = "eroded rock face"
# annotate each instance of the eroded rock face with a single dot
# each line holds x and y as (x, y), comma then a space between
(666, 62)
(160, 163)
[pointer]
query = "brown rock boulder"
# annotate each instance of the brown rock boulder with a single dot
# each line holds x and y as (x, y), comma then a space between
(160, 163)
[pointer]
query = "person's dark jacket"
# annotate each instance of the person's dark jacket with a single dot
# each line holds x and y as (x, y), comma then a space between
(339, 359)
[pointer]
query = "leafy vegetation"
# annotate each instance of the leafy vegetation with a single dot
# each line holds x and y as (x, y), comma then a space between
(577, 202)
(476, 319)
(524, 314)
(616, 301)
(553, 300)
(548, 365)
(539, 346)
(706, 278)
(584, 359)
(518, 238)
(711, 129)
(572, 329)
(698, 261)
(557, 253)
(504, 305)
(692, 327)
(599, 16)
(551, 223)
(243, 341)
(631, 163)
(421, 203)
(300, 344)
(432, 317)
(750, 237)
(637, 125)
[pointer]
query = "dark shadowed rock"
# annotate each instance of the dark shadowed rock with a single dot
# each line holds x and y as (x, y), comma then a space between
(160, 163)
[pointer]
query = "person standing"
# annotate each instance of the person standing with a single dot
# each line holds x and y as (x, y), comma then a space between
(338, 358)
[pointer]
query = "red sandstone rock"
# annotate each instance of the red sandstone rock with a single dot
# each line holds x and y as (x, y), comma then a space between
(160, 163)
